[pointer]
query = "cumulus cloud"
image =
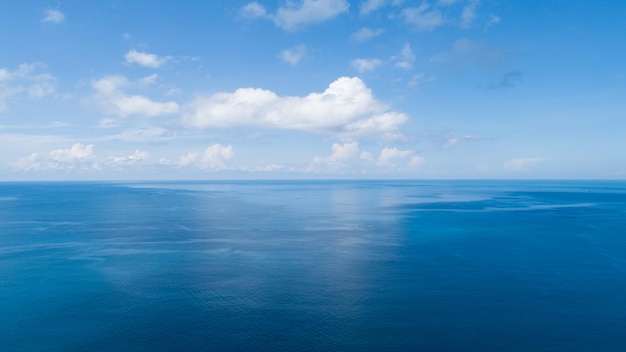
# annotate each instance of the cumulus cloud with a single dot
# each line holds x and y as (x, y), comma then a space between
(145, 59)
(110, 96)
(466, 52)
(25, 79)
(297, 14)
(389, 156)
(522, 164)
(293, 55)
(423, 17)
(78, 156)
(364, 34)
(53, 16)
(364, 65)
(213, 158)
(406, 58)
(341, 153)
(347, 106)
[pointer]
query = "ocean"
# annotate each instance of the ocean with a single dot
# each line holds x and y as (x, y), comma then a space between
(313, 266)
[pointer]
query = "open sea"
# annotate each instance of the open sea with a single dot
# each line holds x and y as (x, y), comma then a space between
(313, 266)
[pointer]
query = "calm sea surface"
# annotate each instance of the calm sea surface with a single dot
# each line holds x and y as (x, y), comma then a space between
(313, 266)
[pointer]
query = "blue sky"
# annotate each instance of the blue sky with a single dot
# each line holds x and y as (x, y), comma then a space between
(312, 89)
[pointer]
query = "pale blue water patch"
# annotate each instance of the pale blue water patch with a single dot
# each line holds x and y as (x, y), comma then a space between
(313, 265)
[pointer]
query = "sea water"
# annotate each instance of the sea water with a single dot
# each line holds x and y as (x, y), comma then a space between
(313, 266)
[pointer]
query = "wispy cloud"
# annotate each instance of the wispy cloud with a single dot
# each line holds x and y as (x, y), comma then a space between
(112, 99)
(364, 34)
(53, 16)
(364, 65)
(522, 164)
(406, 58)
(296, 15)
(423, 17)
(293, 55)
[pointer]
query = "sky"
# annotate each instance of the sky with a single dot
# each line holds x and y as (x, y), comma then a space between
(307, 89)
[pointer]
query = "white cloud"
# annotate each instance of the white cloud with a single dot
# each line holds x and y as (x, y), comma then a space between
(364, 34)
(297, 14)
(78, 156)
(406, 58)
(341, 153)
(389, 156)
(145, 59)
(522, 164)
(364, 65)
(213, 158)
(112, 99)
(215, 155)
(416, 161)
(25, 79)
(141, 135)
(133, 159)
(149, 80)
(293, 55)
(419, 79)
(469, 13)
(254, 10)
(422, 17)
(371, 6)
(347, 105)
(493, 19)
(53, 16)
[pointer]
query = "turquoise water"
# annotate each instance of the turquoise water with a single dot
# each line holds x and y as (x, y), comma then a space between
(313, 266)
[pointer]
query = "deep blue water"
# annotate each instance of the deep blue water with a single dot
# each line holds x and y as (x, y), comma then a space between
(313, 266)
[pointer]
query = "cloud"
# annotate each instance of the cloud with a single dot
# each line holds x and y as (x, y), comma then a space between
(522, 164)
(294, 55)
(493, 19)
(145, 59)
(78, 156)
(213, 158)
(419, 79)
(452, 141)
(295, 15)
(469, 13)
(133, 159)
(254, 10)
(466, 52)
(388, 156)
(508, 80)
(416, 161)
(406, 58)
(364, 34)
(371, 6)
(25, 79)
(346, 106)
(111, 98)
(364, 65)
(53, 16)
(341, 153)
(423, 17)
